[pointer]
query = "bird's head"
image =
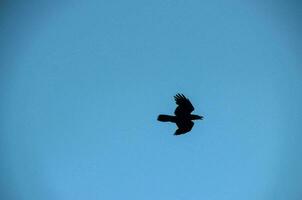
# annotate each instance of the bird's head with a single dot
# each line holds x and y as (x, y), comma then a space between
(197, 117)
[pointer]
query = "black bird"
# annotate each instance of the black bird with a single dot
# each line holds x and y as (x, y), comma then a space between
(183, 117)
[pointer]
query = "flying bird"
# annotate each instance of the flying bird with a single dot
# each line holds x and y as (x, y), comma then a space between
(183, 117)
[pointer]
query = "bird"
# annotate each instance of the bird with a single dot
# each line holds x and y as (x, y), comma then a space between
(183, 117)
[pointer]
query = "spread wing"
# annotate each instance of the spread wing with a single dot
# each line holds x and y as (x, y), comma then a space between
(184, 127)
(184, 105)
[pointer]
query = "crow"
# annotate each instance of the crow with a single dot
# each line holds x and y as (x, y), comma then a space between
(183, 117)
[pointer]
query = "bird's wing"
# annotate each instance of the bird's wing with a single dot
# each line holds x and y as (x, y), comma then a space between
(184, 105)
(184, 127)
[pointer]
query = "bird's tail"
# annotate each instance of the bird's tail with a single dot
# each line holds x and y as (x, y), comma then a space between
(166, 118)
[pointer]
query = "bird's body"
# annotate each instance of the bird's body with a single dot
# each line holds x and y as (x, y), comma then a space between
(183, 117)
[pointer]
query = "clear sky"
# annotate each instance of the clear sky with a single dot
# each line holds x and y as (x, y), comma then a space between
(82, 83)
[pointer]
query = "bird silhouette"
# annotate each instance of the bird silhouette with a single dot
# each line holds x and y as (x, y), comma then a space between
(183, 117)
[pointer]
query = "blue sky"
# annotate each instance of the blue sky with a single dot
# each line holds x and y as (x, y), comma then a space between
(82, 83)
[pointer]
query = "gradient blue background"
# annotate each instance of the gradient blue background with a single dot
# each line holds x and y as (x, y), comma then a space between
(82, 83)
